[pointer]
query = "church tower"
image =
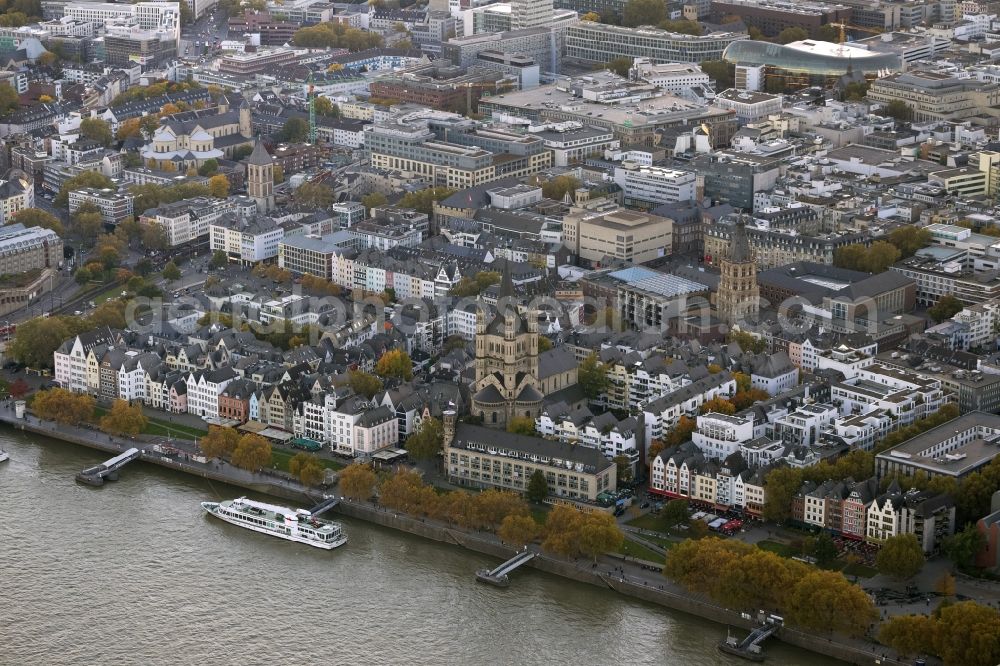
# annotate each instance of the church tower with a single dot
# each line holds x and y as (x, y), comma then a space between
(739, 296)
(260, 178)
(506, 361)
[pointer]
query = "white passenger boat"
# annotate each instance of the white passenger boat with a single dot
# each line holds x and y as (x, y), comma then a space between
(291, 524)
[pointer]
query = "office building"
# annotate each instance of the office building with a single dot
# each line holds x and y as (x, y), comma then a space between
(626, 235)
(650, 186)
(601, 43)
(957, 448)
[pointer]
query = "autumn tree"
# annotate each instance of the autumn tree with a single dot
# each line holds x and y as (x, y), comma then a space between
(781, 484)
(426, 442)
(364, 383)
(591, 16)
(36, 217)
(908, 239)
(826, 601)
(123, 419)
(681, 432)
(219, 442)
(395, 363)
(219, 186)
(900, 556)
(19, 388)
(538, 487)
(252, 452)
(307, 468)
(9, 100)
(945, 585)
(967, 634)
(63, 406)
(599, 534)
(517, 530)
(357, 481)
(562, 530)
(592, 377)
(314, 195)
(521, 425)
(909, 635)
(718, 405)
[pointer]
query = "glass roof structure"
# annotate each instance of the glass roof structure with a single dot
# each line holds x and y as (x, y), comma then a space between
(812, 57)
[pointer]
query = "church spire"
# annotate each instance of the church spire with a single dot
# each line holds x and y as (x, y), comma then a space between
(506, 282)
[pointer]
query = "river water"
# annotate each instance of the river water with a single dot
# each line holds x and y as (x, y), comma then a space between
(135, 573)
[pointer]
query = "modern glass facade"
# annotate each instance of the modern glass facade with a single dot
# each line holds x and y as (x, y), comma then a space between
(812, 58)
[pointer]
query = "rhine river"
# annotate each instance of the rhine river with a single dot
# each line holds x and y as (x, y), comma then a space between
(135, 573)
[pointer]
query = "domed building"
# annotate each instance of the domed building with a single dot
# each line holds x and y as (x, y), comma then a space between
(506, 383)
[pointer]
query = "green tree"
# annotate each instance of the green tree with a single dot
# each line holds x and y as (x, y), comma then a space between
(357, 482)
(720, 71)
(373, 200)
(620, 66)
(682, 26)
(123, 419)
(900, 556)
(517, 530)
(97, 130)
(426, 442)
(219, 442)
(109, 314)
(946, 307)
(538, 487)
(909, 635)
(850, 256)
(423, 200)
(592, 377)
(364, 383)
(37, 339)
(674, 513)
(171, 272)
(899, 110)
(295, 130)
(253, 452)
(219, 260)
(792, 34)
(824, 550)
(9, 100)
(781, 485)
(36, 217)
(963, 547)
(155, 237)
(643, 12)
(395, 363)
(624, 468)
(209, 167)
(88, 222)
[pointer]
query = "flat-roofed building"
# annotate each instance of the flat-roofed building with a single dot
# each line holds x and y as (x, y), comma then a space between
(957, 448)
(626, 235)
(572, 142)
(598, 42)
(115, 206)
(314, 255)
(650, 186)
(480, 457)
(939, 96)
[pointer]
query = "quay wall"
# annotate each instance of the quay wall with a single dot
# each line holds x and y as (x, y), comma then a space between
(579, 571)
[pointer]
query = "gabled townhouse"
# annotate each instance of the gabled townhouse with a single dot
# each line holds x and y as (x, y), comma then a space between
(774, 373)
(203, 390)
(133, 372)
(70, 359)
(234, 400)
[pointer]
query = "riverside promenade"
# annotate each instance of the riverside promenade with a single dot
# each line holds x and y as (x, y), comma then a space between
(641, 580)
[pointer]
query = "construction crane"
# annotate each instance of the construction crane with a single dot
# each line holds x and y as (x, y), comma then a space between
(311, 97)
(844, 27)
